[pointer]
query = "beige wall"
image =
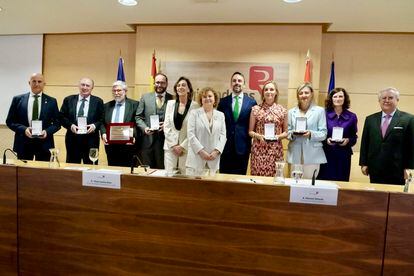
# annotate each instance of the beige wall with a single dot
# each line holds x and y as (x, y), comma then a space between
(365, 63)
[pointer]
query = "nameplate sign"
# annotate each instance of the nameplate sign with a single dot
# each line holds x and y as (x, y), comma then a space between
(321, 195)
(110, 179)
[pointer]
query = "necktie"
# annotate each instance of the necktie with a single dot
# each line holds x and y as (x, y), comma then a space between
(236, 108)
(385, 124)
(117, 111)
(159, 101)
(35, 113)
(81, 108)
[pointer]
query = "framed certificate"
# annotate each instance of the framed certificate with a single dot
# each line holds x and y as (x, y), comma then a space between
(120, 133)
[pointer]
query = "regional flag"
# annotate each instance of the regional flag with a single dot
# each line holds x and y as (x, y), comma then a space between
(153, 71)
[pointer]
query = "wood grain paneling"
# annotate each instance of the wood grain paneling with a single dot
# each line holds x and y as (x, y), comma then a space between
(8, 220)
(185, 226)
(399, 252)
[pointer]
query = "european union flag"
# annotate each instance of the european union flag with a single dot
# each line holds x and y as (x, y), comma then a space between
(121, 74)
(332, 79)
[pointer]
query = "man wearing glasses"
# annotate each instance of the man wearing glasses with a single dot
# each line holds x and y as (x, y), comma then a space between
(151, 109)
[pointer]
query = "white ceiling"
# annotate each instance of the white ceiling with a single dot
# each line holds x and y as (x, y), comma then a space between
(78, 16)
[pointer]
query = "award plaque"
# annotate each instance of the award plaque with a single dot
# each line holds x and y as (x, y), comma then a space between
(36, 128)
(269, 132)
(337, 135)
(82, 125)
(120, 133)
(301, 125)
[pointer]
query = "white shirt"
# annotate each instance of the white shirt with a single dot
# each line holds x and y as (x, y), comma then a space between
(233, 100)
(30, 105)
(121, 113)
(86, 108)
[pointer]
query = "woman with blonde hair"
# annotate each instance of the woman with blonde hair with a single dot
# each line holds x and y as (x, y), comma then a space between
(267, 149)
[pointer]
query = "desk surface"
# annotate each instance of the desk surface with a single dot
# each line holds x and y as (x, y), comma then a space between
(183, 226)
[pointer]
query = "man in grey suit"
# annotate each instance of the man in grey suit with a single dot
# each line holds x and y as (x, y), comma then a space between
(387, 144)
(26, 108)
(154, 103)
(120, 110)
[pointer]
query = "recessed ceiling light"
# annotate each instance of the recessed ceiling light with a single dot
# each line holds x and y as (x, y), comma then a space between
(292, 1)
(128, 2)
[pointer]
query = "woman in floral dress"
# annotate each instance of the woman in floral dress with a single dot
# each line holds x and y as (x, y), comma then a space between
(267, 151)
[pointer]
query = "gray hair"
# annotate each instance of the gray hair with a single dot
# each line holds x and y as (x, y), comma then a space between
(392, 90)
(123, 85)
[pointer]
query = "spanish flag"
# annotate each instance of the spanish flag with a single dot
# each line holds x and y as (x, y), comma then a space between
(153, 71)
(308, 69)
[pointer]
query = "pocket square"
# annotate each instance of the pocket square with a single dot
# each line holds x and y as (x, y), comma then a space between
(397, 127)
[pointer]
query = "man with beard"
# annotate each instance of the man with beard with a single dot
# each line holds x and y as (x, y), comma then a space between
(74, 108)
(154, 103)
(236, 108)
(120, 110)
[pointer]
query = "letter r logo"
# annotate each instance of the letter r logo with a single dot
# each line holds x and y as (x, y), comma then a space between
(259, 75)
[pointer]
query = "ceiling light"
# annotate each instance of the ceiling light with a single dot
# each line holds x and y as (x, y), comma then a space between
(128, 2)
(292, 1)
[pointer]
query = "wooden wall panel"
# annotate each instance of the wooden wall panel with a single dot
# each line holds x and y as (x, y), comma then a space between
(399, 253)
(8, 220)
(184, 226)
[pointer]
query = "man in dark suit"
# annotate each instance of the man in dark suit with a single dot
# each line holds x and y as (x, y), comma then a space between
(387, 144)
(236, 108)
(28, 107)
(119, 110)
(81, 105)
(154, 103)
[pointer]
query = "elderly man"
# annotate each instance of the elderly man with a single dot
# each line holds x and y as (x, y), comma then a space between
(81, 114)
(120, 110)
(33, 108)
(152, 146)
(387, 145)
(236, 108)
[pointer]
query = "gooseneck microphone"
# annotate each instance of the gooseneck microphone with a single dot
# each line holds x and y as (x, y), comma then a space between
(313, 178)
(15, 154)
(134, 161)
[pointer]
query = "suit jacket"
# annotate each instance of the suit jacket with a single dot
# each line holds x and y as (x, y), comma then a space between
(310, 148)
(146, 108)
(129, 114)
(237, 131)
(201, 137)
(18, 121)
(387, 157)
(172, 135)
(68, 116)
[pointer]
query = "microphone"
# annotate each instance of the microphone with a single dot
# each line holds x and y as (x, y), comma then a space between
(134, 161)
(313, 178)
(15, 154)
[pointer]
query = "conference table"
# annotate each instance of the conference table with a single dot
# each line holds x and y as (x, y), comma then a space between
(217, 225)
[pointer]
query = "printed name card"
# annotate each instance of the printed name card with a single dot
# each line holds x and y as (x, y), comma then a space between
(318, 194)
(110, 179)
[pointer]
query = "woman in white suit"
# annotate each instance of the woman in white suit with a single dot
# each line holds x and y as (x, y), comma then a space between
(306, 147)
(175, 125)
(206, 134)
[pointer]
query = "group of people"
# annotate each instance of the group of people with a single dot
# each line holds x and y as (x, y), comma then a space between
(198, 133)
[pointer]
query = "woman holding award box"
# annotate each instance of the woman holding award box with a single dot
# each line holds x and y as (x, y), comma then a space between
(306, 131)
(342, 136)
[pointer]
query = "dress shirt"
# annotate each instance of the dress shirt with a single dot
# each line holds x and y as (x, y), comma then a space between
(86, 108)
(385, 114)
(121, 112)
(30, 105)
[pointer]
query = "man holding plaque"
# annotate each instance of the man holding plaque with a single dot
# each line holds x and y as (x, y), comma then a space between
(33, 117)
(81, 114)
(236, 108)
(387, 144)
(150, 119)
(118, 129)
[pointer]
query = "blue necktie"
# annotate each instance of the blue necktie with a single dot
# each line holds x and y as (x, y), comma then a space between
(117, 111)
